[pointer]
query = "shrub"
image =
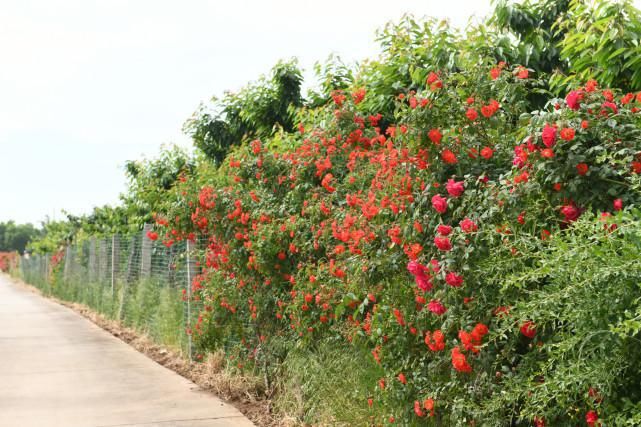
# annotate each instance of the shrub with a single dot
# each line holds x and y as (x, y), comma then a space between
(424, 246)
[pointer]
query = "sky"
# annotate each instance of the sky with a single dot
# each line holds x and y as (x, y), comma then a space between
(86, 85)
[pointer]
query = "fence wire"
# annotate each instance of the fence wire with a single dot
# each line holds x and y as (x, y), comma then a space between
(134, 279)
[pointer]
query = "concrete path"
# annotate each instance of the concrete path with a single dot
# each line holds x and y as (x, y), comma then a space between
(57, 369)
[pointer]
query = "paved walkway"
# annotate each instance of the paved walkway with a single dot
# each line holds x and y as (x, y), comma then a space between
(57, 369)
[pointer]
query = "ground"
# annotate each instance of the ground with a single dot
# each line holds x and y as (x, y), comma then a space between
(59, 369)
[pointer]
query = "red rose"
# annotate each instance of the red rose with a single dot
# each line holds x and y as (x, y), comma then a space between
(401, 378)
(468, 226)
(444, 230)
(567, 134)
(459, 362)
(443, 243)
(454, 280)
(435, 341)
(611, 105)
(487, 111)
(414, 267)
(591, 417)
(358, 95)
(522, 73)
(428, 404)
(570, 212)
(487, 153)
(549, 136)
(419, 271)
(326, 183)
(479, 331)
(436, 307)
(528, 329)
(582, 168)
(439, 203)
(435, 136)
(423, 282)
(449, 157)
(471, 114)
(417, 409)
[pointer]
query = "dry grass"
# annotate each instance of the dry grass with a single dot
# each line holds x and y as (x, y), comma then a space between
(247, 393)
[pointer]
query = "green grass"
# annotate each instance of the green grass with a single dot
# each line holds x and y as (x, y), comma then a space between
(328, 384)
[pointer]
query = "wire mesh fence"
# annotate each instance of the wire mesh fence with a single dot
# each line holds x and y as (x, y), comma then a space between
(138, 281)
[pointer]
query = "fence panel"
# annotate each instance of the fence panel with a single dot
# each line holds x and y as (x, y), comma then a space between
(143, 283)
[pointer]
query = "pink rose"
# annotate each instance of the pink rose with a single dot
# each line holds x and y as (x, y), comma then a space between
(573, 99)
(454, 188)
(468, 226)
(439, 203)
(436, 307)
(617, 204)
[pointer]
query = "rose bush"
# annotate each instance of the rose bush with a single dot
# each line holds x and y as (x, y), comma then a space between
(407, 241)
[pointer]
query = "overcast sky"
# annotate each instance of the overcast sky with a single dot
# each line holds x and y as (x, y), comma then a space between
(87, 84)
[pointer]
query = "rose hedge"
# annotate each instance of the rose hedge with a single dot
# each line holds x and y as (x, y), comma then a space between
(444, 244)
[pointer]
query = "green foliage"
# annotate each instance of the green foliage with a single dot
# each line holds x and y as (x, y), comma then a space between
(151, 185)
(410, 49)
(103, 221)
(332, 75)
(532, 27)
(256, 111)
(585, 299)
(15, 237)
(600, 40)
(54, 235)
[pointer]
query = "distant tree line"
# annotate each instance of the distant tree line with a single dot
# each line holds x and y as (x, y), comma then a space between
(15, 237)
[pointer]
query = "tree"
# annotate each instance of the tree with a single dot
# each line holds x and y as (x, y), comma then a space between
(15, 237)
(256, 111)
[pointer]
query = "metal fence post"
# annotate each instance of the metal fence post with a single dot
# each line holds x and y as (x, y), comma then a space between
(46, 269)
(92, 260)
(113, 268)
(67, 262)
(145, 253)
(102, 261)
(130, 275)
(188, 322)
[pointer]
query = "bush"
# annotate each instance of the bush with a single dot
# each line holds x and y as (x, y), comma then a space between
(426, 247)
